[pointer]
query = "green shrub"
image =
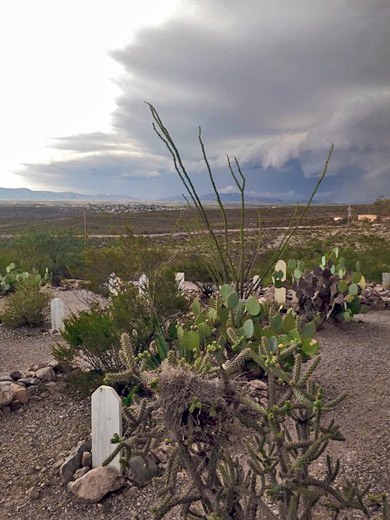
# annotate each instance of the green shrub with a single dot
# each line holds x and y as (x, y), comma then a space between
(26, 306)
(92, 336)
(61, 252)
(164, 296)
(85, 382)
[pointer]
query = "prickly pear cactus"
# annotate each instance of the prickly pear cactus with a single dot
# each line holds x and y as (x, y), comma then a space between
(229, 325)
(329, 291)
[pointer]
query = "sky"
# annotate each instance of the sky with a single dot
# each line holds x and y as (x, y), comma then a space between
(270, 82)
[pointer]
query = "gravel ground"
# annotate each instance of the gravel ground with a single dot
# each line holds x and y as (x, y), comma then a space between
(21, 348)
(355, 360)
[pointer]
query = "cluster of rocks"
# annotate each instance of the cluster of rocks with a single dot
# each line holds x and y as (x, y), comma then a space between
(258, 391)
(90, 485)
(375, 296)
(17, 389)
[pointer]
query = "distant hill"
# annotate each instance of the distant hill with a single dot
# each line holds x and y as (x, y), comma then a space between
(25, 194)
(228, 197)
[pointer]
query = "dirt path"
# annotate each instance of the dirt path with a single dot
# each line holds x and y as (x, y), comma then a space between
(355, 360)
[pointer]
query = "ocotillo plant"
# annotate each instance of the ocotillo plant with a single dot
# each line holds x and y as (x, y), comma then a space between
(228, 270)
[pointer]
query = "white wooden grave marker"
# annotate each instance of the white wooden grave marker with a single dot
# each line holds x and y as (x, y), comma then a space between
(180, 279)
(255, 279)
(385, 281)
(106, 411)
(143, 283)
(113, 284)
(57, 314)
(280, 294)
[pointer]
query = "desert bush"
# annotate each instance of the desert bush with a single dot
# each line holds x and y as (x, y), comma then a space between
(60, 252)
(202, 404)
(26, 306)
(91, 336)
(164, 296)
(94, 335)
(128, 257)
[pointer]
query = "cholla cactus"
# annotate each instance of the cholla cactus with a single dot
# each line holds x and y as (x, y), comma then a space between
(197, 408)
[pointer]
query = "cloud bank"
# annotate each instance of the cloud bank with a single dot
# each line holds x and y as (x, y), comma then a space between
(269, 82)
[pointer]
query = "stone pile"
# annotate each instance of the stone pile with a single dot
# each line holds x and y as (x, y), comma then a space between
(17, 389)
(375, 296)
(90, 485)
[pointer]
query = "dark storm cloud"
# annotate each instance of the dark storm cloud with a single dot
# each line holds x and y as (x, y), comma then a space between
(268, 81)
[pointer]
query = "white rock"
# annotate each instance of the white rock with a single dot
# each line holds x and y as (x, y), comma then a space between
(46, 374)
(95, 484)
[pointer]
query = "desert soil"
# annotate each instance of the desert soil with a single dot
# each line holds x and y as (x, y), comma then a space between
(24, 347)
(355, 360)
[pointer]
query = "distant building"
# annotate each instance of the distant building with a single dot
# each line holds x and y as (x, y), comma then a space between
(368, 218)
(338, 219)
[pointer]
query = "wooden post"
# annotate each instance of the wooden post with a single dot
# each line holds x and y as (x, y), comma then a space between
(85, 226)
(57, 314)
(113, 284)
(280, 294)
(143, 283)
(385, 280)
(106, 411)
(180, 279)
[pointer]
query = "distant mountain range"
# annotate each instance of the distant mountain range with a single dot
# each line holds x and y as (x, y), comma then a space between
(25, 194)
(228, 197)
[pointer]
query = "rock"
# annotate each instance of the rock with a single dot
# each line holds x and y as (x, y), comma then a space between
(15, 375)
(30, 381)
(46, 374)
(80, 472)
(159, 455)
(20, 393)
(6, 379)
(6, 395)
(15, 405)
(33, 493)
(73, 461)
(143, 469)
(258, 384)
(86, 459)
(95, 484)
(32, 390)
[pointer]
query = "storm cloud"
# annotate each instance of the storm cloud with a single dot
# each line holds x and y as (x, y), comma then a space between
(268, 81)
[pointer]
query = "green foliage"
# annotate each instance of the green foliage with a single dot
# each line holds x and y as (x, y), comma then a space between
(235, 325)
(26, 305)
(92, 336)
(330, 291)
(85, 382)
(60, 252)
(164, 295)
(199, 407)
(13, 276)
